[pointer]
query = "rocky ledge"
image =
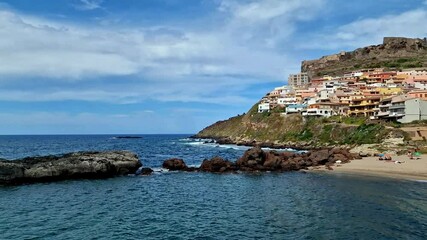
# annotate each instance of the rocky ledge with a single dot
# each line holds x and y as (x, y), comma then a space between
(257, 160)
(301, 145)
(80, 165)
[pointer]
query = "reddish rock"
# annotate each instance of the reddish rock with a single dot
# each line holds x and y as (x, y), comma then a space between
(320, 157)
(255, 154)
(217, 164)
(175, 164)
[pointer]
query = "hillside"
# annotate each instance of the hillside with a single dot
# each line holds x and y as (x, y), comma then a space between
(394, 52)
(295, 131)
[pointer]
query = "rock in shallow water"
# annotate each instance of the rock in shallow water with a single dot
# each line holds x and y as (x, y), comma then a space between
(175, 164)
(80, 165)
(217, 164)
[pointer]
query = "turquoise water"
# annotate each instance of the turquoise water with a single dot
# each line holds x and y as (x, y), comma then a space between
(204, 206)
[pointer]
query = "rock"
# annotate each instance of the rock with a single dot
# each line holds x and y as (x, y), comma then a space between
(253, 158)
(217, 164)
(68, 166)
(272, 160)
(320, 157)
(364, 154)
(144, 171)
(175, 164)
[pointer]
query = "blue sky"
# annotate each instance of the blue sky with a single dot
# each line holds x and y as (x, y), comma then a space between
(169, 66)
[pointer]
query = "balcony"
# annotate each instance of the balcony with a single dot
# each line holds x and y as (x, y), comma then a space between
(397, 106)
(383, 114)
(385, 105)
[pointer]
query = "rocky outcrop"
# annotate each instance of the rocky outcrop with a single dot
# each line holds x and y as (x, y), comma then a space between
(258, 160)
(69, 166)
(175, 164)
(217, 165)
(393, 48)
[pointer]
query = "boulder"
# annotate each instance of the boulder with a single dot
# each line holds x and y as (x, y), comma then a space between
(252, 158)
(217, 165)
(69, 166)
(272, 160)
(175, 164)
(319, 157)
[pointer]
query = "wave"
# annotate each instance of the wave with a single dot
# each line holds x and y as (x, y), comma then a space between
(207, 143)
(418, 180)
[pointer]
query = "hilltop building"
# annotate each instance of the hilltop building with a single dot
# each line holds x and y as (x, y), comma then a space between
(298, 80)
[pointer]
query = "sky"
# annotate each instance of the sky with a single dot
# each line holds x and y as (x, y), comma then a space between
(169, 66)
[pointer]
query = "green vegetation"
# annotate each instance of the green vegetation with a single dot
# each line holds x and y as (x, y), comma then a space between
(403, 63)
(366, 133)
(294, 128)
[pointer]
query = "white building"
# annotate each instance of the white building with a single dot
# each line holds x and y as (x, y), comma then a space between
(296, 108)
(263, 107)
(287, 101)
(421, 84)
(411, 110)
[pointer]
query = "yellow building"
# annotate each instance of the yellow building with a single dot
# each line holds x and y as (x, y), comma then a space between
(364, 106)
(389, 91)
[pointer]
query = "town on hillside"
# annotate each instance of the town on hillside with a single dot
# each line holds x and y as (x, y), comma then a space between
(379, 94)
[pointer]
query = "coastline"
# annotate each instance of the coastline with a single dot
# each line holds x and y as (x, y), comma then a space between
(370, 166)
(299, 146)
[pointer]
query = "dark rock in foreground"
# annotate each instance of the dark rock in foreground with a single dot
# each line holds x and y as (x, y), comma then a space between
(80, 165)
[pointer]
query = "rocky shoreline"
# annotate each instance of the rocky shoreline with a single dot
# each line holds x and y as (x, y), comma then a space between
(258, 160)
(80, 165)
(97, 165)
(273, 145)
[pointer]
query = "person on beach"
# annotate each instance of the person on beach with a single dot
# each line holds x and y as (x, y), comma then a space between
(410, 154)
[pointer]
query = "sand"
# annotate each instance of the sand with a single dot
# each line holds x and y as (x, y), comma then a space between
(408, 169)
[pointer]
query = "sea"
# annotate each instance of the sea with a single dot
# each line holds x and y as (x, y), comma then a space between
(179, 205)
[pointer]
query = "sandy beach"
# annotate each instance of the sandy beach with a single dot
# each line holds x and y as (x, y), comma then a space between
(407, 169)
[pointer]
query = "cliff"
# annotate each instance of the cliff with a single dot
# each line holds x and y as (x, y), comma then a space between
(275, 130)
(395, 52)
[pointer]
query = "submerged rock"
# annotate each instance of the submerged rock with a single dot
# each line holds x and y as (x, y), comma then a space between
(144, 171)
(80, 165)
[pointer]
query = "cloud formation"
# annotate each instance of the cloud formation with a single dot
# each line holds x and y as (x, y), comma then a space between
(86, 5)
(252, 44)
(369, 31)
(169, 58)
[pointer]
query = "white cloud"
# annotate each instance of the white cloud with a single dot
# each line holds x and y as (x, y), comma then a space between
(370, 31)
(89, 4)
(165, 63)
(270, 22)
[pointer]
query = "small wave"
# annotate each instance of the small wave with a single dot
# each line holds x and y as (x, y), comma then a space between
(184, 140)
(195, 143)
(418, 180)
(160, 170)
